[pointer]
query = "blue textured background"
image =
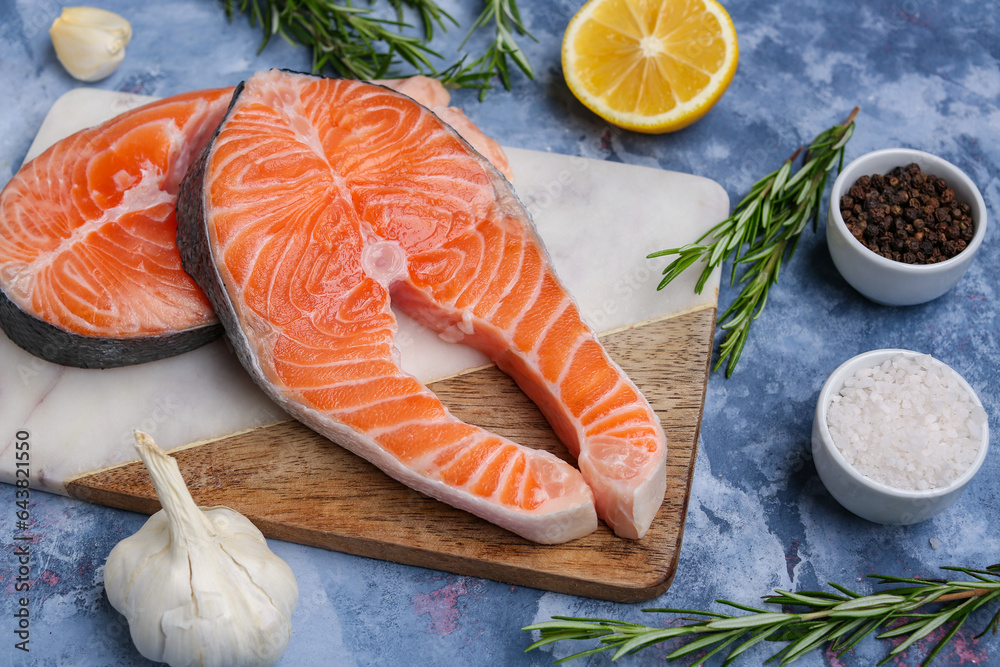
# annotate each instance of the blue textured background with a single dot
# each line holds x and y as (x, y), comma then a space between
(926, 74)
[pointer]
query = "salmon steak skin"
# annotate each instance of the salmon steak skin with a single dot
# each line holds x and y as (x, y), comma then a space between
(90, 275)
(317, 203)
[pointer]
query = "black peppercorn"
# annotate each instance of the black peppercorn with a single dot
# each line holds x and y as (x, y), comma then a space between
(907, 216)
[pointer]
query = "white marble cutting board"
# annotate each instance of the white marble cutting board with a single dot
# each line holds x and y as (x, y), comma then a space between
(597, 219)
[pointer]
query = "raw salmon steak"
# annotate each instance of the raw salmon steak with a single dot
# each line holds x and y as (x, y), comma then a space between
(317, 203)
(90, 274)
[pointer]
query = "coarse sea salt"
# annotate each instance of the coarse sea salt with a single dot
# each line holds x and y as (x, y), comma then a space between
(907, 423)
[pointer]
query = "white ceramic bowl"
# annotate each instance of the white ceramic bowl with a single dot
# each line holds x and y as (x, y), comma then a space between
(884, 280)
(864, 496)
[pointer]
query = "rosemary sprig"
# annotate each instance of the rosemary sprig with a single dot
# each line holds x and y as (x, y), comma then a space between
(768, 222)
(344, 39)
(507, 24)
(352, 42)
(840, 619)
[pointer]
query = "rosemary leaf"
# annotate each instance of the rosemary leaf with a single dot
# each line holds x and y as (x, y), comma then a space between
(810, 599)
(647, 638)
(943, 641)
(583, 654)
(743, 622)
(994, 623)
(863, 631)
(930, 626)
(705, 642)
(752, 610)
(710, 614)
(846, 591)
(754, 639)
(846, 627)
(809, 642)
(868, 601)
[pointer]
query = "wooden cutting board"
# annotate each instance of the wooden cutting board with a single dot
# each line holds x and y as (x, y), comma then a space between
(597, 219)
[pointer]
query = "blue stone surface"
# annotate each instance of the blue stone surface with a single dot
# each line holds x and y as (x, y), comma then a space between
(926, 74)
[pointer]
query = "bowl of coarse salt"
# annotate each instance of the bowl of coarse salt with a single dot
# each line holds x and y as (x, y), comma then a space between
(898, 436)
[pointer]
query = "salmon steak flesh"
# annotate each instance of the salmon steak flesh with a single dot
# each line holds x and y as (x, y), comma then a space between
(321, 201)
(90, 275)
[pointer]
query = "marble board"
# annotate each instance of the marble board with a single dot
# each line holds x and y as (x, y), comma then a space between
(598, 220)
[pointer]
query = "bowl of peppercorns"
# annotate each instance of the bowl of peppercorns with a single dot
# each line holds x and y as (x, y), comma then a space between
(904, 225)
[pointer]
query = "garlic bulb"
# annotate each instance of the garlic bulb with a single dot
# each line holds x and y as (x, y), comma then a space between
(199, 586)
(90, 42)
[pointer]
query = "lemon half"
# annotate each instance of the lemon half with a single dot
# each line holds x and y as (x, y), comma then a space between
(650, 65)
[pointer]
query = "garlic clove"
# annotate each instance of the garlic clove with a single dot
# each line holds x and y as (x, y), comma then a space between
(90, 42)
